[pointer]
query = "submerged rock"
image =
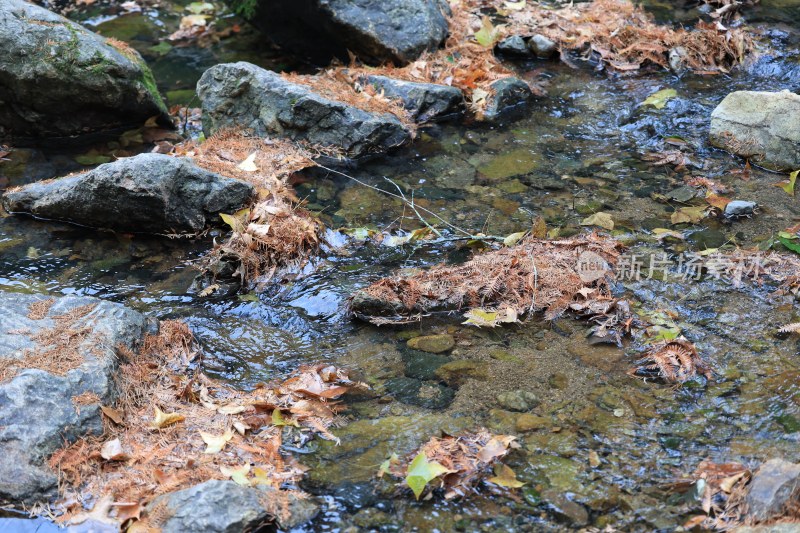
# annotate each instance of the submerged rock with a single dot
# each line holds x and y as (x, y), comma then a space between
(377, 31)
(511, 96)
(58, 79)
(151, 193)
(774, 489)
(432, 343)
(55, 395)
(242, 95)
(762, 126)
(226, 507)
(425, 102)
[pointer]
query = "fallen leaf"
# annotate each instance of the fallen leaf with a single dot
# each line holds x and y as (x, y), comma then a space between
(659, 98)
(162, 419)
(128, 511)
(515, 6)
(232, 409)
(788, 185)
(601, 219)
(215, 443)
(488, 34)
(113, 414)
(249, 164)
(421, 471)
(239, 475)
(496, 447)
(505, 477)
(278, 420)
(514, 238)
(112, 451)
(691, 215)
(717, 201)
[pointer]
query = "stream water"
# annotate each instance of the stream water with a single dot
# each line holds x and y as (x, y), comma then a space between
(578, 151)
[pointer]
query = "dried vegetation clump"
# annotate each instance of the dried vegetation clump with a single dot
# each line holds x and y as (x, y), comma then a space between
(275, 232)
(534, 275)
(675, 361)
(172, 429)
(456, 464)
(59, 348)
(624, 38)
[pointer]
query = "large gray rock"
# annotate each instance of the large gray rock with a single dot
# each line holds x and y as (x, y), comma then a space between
(58, 79)
(38, 410)
(152, 193)
(242, 95)
(425, 102)
(511, 97)
(226, 507)
(762, 126)
(774, 489)
(377, 31)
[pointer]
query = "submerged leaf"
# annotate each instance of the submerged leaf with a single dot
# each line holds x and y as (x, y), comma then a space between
(421, 471)
(505, 477)
(601, 219)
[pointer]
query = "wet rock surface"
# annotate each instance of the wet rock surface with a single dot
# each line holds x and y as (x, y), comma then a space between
(376, 31)
(774, 489)
(40, 409)
(225, 507)
(58, 80)
(424, 101)
(511, 97)
(760, 125)
(432, 343)
(149, 193)
(242, 95)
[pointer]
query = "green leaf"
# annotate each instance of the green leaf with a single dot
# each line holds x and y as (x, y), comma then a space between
(788, 185)
(421, 471)
(200, 7)
(790, 244)
(92, 158)
(659, 98)
(161, 48)
(387, 464)
(237, 220)
(278, 420)
(488, 34)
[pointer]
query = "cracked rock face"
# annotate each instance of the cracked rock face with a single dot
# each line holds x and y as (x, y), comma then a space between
(43, 405)
(147, 193)
(761, 126)
(243, 95)
(58, 79)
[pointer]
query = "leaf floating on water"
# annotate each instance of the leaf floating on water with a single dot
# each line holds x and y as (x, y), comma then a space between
(421, 472)
(239, 475)
(601, 219)
(162, 419)
(215, 443)
(505, 477)
(659, 98)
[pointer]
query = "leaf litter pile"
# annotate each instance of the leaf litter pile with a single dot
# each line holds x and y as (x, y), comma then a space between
(172, 429)
(455, 465)
(275, 232)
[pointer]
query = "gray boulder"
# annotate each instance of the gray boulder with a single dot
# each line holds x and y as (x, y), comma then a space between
(514, 45)
(377, 31)
(40, 409)
(58, 79)
(762, 126)
(246, 96)
(510, 98)
(425, 102)
(774, 489)
(149, 193)
(225, 507)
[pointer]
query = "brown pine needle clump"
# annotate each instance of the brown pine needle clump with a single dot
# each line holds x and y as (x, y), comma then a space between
(172, 429)
(275, 232)
(625, 38)
(534, 275)
(675, 361)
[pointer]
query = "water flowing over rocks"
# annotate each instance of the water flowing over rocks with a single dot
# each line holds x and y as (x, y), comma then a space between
(58, 79)
(246, 96)
(149, 193)
(376, 31)
(43, 407)
(762, 126)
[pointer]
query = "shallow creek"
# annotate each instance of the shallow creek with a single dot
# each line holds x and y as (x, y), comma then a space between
(577, 152)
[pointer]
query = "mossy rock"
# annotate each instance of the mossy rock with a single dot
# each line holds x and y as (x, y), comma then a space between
(432, 343)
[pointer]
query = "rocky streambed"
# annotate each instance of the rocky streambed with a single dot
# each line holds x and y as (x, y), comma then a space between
(598, 447)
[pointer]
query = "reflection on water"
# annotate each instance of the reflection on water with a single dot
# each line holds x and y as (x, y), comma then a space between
(578, 152)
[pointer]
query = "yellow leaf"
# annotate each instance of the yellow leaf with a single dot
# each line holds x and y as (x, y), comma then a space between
(659, 98)
(515, 6)
(539, 229)
(232, 409)
(691, 215)
(421, 471)
(214, 443)
(239, 475)
(249, 164)
(278, 420)
(601, 219)
(505, 477)
(663, 233)
(162, 419)
(514, 238)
